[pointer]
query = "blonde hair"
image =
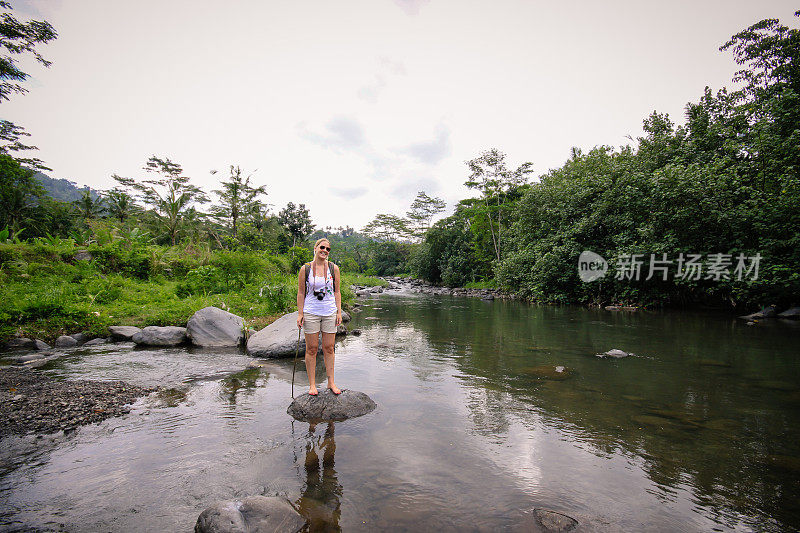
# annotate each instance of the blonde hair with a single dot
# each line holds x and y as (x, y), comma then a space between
(319, 241)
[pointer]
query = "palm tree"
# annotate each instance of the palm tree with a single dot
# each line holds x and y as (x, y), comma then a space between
(89, 207)
(237, 198)
(120, 204)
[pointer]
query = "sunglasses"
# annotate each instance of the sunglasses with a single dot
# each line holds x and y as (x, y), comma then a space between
(326, 248)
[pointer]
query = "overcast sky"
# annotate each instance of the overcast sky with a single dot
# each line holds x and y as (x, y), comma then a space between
(351, 107)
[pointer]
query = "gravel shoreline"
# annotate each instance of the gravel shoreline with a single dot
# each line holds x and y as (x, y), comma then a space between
(32, 402)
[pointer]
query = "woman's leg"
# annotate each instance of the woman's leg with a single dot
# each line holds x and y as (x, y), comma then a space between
(328, 340)
(312, 345)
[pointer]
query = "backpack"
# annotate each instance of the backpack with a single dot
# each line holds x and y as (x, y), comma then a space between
(308, 274)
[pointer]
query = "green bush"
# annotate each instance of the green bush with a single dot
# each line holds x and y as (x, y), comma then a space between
(298, 256)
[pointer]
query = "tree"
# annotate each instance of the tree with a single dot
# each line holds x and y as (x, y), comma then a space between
(120, 204)
(489, 175)
(387, 228)
(10, 135)
(238, 199)
(18, 38)
(422, 212)
(296, 220)
(89, 207)
(170, 195)
(20, 194)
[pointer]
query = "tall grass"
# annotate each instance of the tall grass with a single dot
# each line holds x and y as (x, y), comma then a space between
(46, 292)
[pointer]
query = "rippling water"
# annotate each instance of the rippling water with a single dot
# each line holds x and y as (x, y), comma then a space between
(474, 428)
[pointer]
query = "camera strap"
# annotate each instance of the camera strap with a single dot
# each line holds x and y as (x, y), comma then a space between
(310, 274)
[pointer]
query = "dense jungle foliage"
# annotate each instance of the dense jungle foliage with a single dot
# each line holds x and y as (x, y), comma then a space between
(726, 182)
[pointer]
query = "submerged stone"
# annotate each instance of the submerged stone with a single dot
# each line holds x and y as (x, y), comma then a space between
(556, 373)
(776, 385)
(615, 354)
(713, 362)
(784, 462)
(554, 521)
(254, 514)
(651, 420)
(327, 406)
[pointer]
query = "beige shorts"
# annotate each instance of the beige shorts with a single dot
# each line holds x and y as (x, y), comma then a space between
(314, 323)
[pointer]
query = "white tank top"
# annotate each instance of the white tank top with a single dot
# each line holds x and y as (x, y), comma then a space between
(313, 305)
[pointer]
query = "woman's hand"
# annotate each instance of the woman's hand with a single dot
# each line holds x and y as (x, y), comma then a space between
(338, 318)
(299, 320)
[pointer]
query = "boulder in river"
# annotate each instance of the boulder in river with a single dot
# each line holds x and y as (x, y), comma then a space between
(328, 406)
(793, 313)
(95, 342)
(20, 343)
(345, 317)
(160, 336)
(254, 514)
(123, 333)
(767, 312)
(279, 339)
(65, 341)
(615, 354)
(41, 345)
(80, 338)
(212, 326)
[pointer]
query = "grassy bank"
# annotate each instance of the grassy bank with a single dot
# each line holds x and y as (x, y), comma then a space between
(52, 288)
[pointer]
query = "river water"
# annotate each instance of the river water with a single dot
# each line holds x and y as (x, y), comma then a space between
(699, 431)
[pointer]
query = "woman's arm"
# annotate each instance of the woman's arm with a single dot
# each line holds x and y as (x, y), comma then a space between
(301, 295)
(337, 293)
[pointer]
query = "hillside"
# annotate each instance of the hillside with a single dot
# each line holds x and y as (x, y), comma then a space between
(62, 189)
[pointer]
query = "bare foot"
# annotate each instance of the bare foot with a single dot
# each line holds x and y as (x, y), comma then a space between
(334, 389)
(313, 391)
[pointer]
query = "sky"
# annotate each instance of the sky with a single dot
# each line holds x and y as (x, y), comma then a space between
(352, 107)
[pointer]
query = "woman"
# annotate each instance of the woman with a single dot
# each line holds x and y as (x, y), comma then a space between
(319, 308)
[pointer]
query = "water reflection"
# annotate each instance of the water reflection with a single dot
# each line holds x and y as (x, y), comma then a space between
(320, 502)
(706, 410)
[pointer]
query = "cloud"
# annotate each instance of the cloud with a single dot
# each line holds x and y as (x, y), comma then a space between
(408, 188)
(370, 92)
(342, 133)
(387, 67)
(350, 193)
(430, 152)
(346, 134)
(395, 66)
(411, 7)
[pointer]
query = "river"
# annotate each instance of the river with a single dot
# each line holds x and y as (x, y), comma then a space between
(698, 431)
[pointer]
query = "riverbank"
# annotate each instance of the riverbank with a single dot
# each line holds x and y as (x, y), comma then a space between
(32, 402)
(419, 286)
(49, 290)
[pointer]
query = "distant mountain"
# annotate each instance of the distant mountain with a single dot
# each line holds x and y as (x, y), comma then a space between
(64, 190)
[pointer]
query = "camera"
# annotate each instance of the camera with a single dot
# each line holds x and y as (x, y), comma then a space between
(320, 294)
